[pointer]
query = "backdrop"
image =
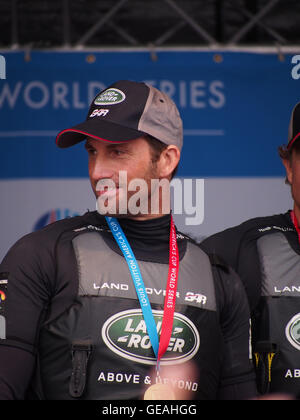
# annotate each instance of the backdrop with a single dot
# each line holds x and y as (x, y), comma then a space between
(235, 108)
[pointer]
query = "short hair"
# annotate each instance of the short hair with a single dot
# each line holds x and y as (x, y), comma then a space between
(157, 147)
(286, 154)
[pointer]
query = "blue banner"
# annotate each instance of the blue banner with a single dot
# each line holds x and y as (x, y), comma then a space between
(235, 107)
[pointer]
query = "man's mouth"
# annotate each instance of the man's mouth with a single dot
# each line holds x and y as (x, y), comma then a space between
(107, 191)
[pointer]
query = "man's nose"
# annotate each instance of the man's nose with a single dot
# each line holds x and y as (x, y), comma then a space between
(101, 169)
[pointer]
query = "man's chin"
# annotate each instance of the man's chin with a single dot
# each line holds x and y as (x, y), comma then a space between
(121, 215)
(105, 210)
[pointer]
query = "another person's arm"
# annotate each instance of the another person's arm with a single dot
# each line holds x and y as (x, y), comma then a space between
(238, 379)
(26, 300)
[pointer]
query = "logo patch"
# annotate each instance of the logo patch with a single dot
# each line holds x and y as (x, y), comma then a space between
(292, 331)
(2, 296)
(110, 97)
(3, 292)
(99, 113)
(125, 334)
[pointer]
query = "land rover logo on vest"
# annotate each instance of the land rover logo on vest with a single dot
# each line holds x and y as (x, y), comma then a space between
(110, 96)
(292, 331)
(125, 334)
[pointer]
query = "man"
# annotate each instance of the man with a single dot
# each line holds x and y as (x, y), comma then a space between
(94, 303)
(265, 252)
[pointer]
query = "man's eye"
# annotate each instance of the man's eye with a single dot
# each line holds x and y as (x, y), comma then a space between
(117, 152)
(90, 150)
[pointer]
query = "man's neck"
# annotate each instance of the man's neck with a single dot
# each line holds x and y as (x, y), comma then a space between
(144, 217)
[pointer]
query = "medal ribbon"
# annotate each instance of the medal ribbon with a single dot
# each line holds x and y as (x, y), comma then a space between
(295, 223)
(159, 346)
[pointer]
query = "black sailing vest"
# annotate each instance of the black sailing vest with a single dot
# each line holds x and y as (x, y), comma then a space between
(276, 326)
(98, 349)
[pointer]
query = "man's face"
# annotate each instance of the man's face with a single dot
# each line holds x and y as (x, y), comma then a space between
(293, 175)
(113, 167)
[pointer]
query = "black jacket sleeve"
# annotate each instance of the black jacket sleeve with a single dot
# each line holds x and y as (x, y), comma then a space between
(24, 307)
(238, 249)
(238, 378)
(16, 369)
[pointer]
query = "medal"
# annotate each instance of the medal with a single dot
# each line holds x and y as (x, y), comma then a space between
(159, 392)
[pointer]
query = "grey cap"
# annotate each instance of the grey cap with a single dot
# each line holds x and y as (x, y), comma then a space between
(127, 110)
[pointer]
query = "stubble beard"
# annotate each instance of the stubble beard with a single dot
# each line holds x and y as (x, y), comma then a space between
(131, 198)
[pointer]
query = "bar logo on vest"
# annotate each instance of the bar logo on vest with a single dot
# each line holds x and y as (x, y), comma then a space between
(292, 331)
(125, 334)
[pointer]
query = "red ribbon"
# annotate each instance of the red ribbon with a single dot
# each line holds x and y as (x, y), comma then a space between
(295, 223)
(170, 298)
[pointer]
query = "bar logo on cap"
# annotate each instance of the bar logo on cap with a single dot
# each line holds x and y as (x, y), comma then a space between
(110, 96)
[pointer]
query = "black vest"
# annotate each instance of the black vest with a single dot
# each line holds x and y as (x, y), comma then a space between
(99, 348)
(276, 326)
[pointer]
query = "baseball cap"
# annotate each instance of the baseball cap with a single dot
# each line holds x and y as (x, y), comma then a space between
(125, 111)
(294, 127)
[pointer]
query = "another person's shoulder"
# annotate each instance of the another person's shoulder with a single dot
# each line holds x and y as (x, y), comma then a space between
(238, 247)
(229, 291)
(265, 222)
(252, 228)
(215, 260)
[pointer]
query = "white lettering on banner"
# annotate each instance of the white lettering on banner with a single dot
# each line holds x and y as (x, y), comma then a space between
(43, 94)
(60, 90)
(93, 89)
(296, 68)
(194, 93)
(77, 103)
(37, 94)
(10, 96)
(2, 67)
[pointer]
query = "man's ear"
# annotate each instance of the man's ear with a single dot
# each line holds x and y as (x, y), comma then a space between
(168, 161)
(289, 172)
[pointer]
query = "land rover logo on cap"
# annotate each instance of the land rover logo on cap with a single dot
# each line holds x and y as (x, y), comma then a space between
(110, 96)
(292, 331)
(125, 334)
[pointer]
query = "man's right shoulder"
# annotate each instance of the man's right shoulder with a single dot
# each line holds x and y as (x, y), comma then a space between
(47, 237)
